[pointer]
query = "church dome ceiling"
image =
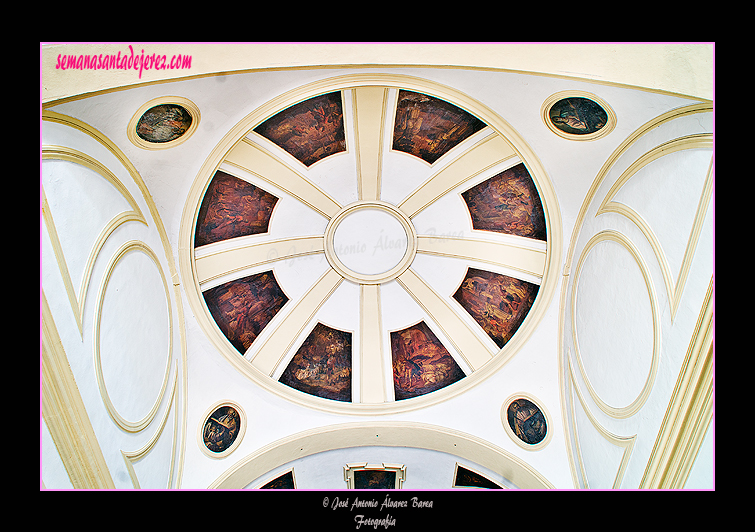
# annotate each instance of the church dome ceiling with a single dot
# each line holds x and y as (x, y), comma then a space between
(368, 186)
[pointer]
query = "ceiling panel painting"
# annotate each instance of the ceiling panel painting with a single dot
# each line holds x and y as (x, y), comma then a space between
(497, 302)
(310, 130)
(466, 478)
(231, 208)
(421, 364)
(322, 365)
(507, 203)
(428, 127)
(243, 307)
(283, 482)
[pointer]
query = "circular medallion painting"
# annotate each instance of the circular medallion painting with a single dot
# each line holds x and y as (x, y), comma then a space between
(221, 429)
(526, 421)
(368, 247)
(578, 116)
(163, 123)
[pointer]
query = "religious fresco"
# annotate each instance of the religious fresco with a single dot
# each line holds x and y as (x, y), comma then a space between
(243, 307)
(428, 127)
(466, 478)
(374, 479)
(507, 203)
(283, 482)
(310, 130)
(163, 123)
(421, 364)
(497, 302)
(577, 116)
(232, 207)
(221, 429)
(322, 365)
(527, 421)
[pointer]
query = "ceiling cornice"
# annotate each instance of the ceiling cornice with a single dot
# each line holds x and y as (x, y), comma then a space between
(684, 69)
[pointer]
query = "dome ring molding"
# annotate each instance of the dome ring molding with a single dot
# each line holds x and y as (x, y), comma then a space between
(348, 273)
(216, 157)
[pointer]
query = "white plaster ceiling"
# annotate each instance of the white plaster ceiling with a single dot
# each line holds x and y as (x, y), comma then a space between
(571, 167)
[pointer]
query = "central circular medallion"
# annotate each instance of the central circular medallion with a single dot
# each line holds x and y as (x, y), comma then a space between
(370, 242)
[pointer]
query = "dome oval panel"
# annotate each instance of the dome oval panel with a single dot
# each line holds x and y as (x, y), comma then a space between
(133, 341)
(614, 324)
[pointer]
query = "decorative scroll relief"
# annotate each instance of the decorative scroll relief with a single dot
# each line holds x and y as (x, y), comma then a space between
(647, 217)
(616, 320)
(68, 268)
(132, 334)
(142, 392)
(697, 167)
(623, 445)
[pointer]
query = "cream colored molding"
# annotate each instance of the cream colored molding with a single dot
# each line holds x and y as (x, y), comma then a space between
(57, 118)
(372, 368)
(674, 287)
(131, 457)
(507, 428)
(639, 401)
(652, 124)
(350, 469)
(684, 69)
(359, 278)
(269, 355)
(213, 264)
(475, 352)
(617, 153)
(254, 159)
(519, 257)
(380, 433)
(602, 132)
(62, 153)
(187, 104)
(130, 426)
(487, 153)
(690, 409)
(369, 123)
(239, 436)
(238, 150)
(624, 442)
(65, 415)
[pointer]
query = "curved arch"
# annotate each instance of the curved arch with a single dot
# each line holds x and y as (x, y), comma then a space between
(390, 434)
